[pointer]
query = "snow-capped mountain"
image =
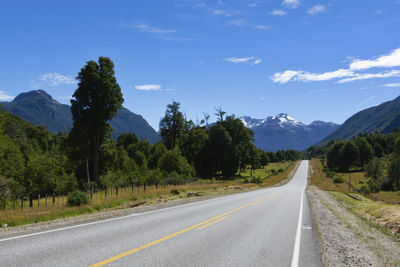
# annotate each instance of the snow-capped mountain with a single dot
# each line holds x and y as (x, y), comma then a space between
(283, 132)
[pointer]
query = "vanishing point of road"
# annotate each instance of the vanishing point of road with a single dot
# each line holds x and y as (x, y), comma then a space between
(267, 227)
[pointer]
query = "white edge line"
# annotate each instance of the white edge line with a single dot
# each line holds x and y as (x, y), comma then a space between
(119, 218)
(296, 249)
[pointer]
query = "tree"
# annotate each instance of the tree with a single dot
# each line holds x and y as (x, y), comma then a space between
(220, 113)
(394, 171)
(264, 159)
(374, 169)
(95, 102)
(348, 156)
(172, 125)
(333, 155)
(126, 139)
(365, 151)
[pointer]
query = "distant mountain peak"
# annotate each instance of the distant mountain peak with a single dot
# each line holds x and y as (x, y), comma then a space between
(285, 132)
(33, 93)
(39, 108)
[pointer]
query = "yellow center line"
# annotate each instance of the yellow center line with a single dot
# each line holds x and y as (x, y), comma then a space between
(214, 220)
(211, 223)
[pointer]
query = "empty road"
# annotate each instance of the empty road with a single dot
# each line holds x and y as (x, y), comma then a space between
(257, 228)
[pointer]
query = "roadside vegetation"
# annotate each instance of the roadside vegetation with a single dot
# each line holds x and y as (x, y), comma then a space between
(129, 197)
(364, 174)
(38, 168)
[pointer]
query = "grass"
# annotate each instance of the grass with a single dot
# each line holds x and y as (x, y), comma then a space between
(381, 210)
(128, 198)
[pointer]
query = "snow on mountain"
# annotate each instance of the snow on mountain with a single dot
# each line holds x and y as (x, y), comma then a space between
(284, 132)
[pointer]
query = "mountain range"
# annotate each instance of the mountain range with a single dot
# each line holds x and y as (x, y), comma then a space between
(382, 118)
(283, 132)
(39, 108)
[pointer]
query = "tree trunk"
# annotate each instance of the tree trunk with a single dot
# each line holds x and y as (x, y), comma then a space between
(87, 172)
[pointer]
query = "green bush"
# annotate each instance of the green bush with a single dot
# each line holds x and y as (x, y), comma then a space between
(338, 180)
(77, 198)
(174, 191)
(280, 170)
(256, 180)
(365, 189)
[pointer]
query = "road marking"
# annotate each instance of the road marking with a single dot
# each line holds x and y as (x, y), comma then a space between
(211, 223)
(214, 219)
(296, 249)
(117, 218)
(306, 227)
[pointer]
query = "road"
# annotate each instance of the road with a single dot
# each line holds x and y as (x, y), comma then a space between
(268, 227)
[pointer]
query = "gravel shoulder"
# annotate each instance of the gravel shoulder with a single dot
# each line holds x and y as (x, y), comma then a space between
(345, 239)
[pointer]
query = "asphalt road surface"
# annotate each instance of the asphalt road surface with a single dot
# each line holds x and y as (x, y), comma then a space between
(268, 227)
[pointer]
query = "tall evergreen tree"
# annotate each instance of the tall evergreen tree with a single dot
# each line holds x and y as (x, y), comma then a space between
(95, 102)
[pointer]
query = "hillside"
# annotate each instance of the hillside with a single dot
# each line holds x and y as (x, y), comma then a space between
(39, 108)
(283, 132)
(382, 118)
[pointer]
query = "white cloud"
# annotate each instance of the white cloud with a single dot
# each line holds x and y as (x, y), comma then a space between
(249, 60)
(4, 96)
(56, 79)
(278, 12)
(220, 12)
(148, 87)
(291, 3)
(261, 27)
(346, 75)
(237, 22)
(365, 76)
(392, 85)
(150, 29)
(299, 75)
(384, 61)
(316, 9)
(367, 101)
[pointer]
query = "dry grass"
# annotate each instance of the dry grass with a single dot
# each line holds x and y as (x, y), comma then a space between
(127, 198)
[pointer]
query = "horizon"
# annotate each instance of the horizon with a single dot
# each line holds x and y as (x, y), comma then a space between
(322, 60)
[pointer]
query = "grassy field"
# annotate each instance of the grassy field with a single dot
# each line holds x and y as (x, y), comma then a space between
(381, 210)
(358, 179)
(128, 198)
(268, 170)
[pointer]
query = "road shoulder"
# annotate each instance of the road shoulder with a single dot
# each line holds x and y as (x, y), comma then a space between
(346, 240)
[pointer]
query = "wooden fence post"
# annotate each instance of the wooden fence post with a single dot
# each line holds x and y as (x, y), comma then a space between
(38, 203)
(45, 202)
(54, 199)
(22, 202)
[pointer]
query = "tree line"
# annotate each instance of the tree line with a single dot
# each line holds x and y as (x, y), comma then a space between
(377, 154)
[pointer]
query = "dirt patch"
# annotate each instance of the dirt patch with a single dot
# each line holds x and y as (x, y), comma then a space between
(347, 240)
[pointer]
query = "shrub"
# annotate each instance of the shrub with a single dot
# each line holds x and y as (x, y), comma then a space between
(256, 180)
(175, 191)
(338, 180)
(280, 170)
(365, 189)
(77, 198)
(330, 174)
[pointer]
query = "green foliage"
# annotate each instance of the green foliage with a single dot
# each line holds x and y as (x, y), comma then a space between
(172, 126)
(365, 151)
(375, 169)
(173, 161)
(394, 172)
(174, 191)
(256, 180)
(77, 198)
(95, 102)
(338, 180)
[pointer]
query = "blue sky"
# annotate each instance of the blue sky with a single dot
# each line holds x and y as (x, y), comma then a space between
(315, 60)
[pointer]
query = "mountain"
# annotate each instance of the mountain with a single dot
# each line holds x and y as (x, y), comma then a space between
(39, 108)
(283, 132)
(382, 118)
